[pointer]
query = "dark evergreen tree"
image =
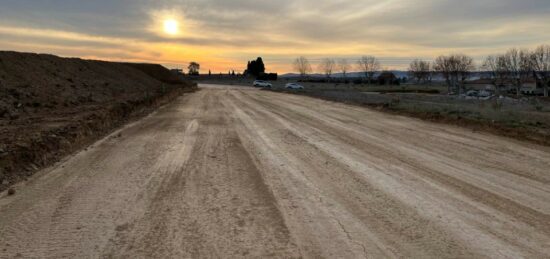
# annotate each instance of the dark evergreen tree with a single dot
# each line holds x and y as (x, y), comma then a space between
(255, 67)
(260, 67)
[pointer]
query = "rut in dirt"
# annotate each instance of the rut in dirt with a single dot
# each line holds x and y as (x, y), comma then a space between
(237, 172)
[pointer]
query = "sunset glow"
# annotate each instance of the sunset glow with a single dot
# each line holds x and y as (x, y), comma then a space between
(171, 27)
(224, 35)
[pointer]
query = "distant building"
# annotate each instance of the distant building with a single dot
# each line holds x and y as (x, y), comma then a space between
(387, 78)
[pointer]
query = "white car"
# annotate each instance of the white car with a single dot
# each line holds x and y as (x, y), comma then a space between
(293, 86)
(531, 90)
(260, 83)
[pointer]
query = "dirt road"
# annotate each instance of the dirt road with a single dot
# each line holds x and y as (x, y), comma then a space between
(238, 172)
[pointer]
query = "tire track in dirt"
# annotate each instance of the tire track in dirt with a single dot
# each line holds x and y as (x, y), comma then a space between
(393, 226)
(537, 189)
(237, 172)
(176, 184)
(488, 151)
(538, 220)
(213, 204)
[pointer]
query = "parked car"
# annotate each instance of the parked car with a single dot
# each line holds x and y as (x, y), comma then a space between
(475, 94)
(472, 93)
(532, 90)
(486, 94)
(293, 86)
(260, 83)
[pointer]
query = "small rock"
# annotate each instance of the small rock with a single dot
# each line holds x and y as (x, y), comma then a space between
(5, 182)
(11, 192)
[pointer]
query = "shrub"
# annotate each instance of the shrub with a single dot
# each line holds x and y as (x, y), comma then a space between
(268, 76)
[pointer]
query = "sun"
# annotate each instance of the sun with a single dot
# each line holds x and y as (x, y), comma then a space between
(171, 27)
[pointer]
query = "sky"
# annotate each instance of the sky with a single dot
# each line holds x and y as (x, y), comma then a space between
(222, 35)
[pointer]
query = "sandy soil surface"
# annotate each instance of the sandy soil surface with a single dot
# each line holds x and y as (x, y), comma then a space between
(239, 172)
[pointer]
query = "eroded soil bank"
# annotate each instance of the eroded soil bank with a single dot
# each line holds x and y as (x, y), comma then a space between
(52, 106)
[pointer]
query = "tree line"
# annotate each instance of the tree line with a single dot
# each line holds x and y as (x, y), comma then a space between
(369, 65)
(515, 66)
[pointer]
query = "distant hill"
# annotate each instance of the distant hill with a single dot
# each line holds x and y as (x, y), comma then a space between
(350, 75)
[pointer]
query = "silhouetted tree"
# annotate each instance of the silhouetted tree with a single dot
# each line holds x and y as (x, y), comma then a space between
(540, 60)
(455, 69)
(194, 68)
(519, 67)
(369, 65)
(302, 65)
(344, 66)
(255, 67)
(420, 70)
(327, 66)
(496, 66)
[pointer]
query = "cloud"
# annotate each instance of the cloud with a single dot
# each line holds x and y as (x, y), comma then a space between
(218, 32)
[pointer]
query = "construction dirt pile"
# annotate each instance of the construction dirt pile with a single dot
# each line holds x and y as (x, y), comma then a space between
(52, 106)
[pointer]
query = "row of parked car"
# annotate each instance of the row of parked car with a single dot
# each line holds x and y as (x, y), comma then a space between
(488, 94)
(264, 84)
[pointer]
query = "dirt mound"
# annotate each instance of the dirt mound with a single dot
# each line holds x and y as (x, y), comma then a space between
(50, 106)
(156, 71)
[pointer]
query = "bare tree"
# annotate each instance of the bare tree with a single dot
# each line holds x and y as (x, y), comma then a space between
(456, 69)
(302, 65)
(540, 59)
(327, 66)
(464, 67)
(518, 65)
(344, 66)
(442, 65)
(496, 66)
(369, 65)
(420, 70)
